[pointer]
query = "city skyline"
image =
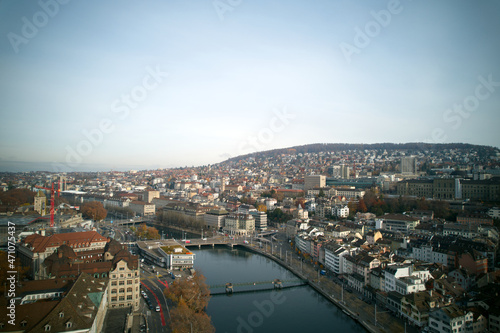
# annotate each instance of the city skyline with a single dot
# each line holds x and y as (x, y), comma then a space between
(170, 84)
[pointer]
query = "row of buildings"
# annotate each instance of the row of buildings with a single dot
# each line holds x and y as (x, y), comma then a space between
(437, 280)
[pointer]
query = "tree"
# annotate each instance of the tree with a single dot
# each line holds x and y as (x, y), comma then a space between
(191, 297)
(353, 207)
(94, 210)
(184, 319)
(143, 231)
(262, 208)
(277, 216)
(321, 194)
(16, 197)
(362, 206)
(195, 292)
(301, 202)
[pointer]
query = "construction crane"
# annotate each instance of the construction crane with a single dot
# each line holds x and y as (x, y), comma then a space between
(52, 200)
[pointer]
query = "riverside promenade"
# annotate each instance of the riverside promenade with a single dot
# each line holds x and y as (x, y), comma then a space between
(357, 309)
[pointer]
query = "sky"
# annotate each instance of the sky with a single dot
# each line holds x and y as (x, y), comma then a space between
(107, 85)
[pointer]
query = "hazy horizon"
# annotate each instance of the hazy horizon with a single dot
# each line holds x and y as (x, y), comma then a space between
(17, 166)
(162, 84)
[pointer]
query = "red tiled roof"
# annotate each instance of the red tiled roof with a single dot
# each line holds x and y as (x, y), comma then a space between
(39, 243)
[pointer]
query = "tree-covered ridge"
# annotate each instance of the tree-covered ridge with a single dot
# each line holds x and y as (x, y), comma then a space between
(410, 148)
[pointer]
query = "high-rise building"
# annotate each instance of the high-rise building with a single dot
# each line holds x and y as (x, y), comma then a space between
(345, 171)
(260, 220)
(313, 181)
(408, 165)
(334, 171)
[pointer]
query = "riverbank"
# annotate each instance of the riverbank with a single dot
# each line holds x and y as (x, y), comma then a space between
(264, 311)
(360, 315)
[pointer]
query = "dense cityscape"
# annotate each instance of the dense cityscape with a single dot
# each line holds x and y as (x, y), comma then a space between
(259, 166)
(408, 229)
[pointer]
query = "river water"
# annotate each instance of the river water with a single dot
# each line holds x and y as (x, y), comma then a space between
(299, 309)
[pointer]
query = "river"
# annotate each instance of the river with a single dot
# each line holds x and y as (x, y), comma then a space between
(299, 309)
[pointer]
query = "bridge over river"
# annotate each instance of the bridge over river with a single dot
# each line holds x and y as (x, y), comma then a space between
(248, 287)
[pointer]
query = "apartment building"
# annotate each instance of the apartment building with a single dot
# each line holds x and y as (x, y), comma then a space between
(399, 223)
(451, 319)
(142, 208)
(239, 224)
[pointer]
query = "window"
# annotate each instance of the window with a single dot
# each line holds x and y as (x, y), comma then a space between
(113, 283)
(122, 290)
(47, 328)
(122, 298)
(121, 283)
(129, 297)
(129, 290)
(61, 314)
(129, 281)
(69, 324)
(113, 291)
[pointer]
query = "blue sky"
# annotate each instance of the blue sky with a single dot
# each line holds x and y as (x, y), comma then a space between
(172, 83)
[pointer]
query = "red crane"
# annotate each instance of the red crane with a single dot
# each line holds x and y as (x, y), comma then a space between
(52, 201)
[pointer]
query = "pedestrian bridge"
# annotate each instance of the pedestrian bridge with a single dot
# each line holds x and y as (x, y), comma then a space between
(246, 287)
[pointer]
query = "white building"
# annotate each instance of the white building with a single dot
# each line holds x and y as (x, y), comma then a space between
(451, 319)
(394, 272)
(270, 203)
(409, 284)
(494, 213)
(341, 211)
(239, 224)
(334, 257)
(428, 254)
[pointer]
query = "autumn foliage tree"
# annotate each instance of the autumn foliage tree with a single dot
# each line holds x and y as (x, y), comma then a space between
(16, 197)
(94, 210)
(191, 297)
(143, 231)
(184, 319)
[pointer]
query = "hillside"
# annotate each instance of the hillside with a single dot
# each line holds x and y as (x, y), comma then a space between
(409, 148)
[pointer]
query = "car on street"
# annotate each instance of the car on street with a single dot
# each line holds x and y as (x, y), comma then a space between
(157, 308)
